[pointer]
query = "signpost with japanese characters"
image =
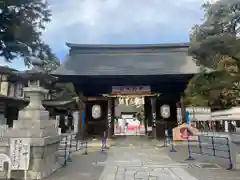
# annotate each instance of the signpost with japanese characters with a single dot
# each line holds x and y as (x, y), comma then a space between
(20, 153)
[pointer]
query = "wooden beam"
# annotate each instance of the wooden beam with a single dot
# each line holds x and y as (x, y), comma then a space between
(96, 98)
(133, 95)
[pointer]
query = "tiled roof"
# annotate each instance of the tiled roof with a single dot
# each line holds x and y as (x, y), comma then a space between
(158, 59)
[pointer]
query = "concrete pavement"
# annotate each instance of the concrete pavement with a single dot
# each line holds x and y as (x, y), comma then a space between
(135, 158)
(130, 159)
(133, 163)
(82, 166)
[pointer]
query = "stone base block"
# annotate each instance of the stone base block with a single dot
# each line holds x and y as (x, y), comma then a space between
(32, 129)
(33, 114)
(43, 157)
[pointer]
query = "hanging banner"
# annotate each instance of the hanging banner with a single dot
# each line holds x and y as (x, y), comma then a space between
(126, 90)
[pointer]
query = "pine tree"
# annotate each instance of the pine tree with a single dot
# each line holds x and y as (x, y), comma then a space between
(22, 23)
(215, 45)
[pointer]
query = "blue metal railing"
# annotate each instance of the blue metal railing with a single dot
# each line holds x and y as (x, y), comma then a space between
(68, 145)
(104, 142)
(168, 142)
(213, 146)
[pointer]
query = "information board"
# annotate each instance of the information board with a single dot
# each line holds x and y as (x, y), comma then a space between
(20, 153)
(4, 158)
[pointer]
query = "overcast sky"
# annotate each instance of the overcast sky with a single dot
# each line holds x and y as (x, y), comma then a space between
(118, 21)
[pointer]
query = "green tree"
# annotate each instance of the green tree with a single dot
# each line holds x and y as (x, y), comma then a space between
(215, 45)
(21, 23)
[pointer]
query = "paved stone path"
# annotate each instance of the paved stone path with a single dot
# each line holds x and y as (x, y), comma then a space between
(205, 173)
(137, 158)
(138, 163)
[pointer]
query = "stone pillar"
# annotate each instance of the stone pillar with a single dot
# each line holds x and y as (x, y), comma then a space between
(226, 126)
(153, 104)
(33, 123)
(75, 121)
(3, 120)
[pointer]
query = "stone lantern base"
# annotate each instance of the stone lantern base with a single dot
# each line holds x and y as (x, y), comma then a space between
(34, 123)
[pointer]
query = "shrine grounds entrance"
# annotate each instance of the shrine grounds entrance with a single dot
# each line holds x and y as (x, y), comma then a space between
(127, 112)
(119, 113)
(97, 93)
(96, 69)
(129, 115)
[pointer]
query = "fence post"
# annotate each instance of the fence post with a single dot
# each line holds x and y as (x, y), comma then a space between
(76, 144)
(213, 146)
(200, 144)
(65, 150)
(173, 149)
(190, 158)
(229, 155)
(86, 147)
(70, 149)
(102, 147)
(81, 144)
(166, 138)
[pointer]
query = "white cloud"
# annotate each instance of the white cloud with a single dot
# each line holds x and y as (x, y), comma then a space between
(120, 21)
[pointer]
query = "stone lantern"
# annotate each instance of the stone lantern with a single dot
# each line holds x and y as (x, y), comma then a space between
(36, 93)
(34, 123)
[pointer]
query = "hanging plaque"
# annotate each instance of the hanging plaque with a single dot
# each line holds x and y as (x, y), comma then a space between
(165, 111)
(96, 111)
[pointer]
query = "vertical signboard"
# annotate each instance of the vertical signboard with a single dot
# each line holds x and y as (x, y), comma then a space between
(20, 153)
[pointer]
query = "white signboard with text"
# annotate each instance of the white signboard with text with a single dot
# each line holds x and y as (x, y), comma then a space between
(20, 153)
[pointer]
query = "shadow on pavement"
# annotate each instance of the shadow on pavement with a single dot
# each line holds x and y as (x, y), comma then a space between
(138, 141)
(82, 167)
(182, 155)
(204, 173)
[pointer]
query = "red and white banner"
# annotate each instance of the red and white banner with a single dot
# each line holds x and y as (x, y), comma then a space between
(126, 90)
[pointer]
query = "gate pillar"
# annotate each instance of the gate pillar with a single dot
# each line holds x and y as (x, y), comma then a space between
(111, 116)
(153, 104)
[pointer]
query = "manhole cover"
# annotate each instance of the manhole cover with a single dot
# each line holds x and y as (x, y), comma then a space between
(99, 163)
(209, 166)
